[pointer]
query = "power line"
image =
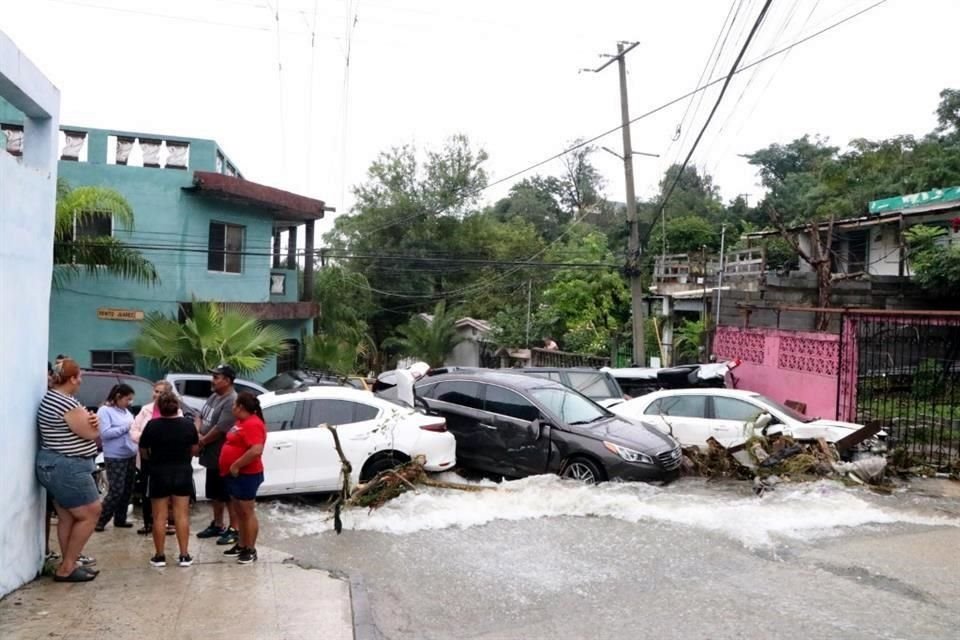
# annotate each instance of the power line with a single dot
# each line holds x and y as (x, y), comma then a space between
(647, 114)
(716, 105)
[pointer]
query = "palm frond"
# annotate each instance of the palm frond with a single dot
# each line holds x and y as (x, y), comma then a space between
(103, 256)
(210, 336)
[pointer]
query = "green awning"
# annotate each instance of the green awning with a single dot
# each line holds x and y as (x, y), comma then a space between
(899, 203)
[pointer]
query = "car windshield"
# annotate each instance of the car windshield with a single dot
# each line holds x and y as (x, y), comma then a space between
(782, 408)
(592, 384)
(571, 407)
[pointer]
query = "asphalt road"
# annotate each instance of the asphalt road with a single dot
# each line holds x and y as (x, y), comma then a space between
(542, 558)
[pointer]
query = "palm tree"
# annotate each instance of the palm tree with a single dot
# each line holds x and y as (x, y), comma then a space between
(210, 336)
(688, 341)
(98, 254)
(338, 355)
(430, 340)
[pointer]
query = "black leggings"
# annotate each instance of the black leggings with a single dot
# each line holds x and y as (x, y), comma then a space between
(121, 473)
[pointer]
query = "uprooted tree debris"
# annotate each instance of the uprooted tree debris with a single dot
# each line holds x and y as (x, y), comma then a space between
(769, 461)
(386, 485)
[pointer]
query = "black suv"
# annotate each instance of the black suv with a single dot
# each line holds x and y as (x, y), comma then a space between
(97, 384)
(515, 426)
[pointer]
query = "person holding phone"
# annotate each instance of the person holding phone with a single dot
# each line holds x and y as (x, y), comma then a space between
(65, 465)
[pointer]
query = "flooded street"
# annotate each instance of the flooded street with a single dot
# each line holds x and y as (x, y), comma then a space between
(543, 558)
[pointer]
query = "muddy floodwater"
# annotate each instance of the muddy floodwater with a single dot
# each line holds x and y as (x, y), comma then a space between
(545, 558)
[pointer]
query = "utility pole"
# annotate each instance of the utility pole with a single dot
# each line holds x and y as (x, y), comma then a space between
(529, 301)
(632, 266)
(723, 267)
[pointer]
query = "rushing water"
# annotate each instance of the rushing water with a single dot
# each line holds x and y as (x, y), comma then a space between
(798, 512)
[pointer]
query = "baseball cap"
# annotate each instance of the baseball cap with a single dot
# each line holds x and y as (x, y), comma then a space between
(224, 370)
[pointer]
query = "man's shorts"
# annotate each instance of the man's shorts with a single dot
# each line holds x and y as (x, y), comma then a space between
(166, 482)
(244, 486)
(67, 479)
(216, 489)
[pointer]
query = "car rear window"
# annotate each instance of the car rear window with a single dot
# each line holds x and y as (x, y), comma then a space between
(592, 385)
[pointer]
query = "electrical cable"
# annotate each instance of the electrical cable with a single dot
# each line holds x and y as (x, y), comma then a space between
(646, 114)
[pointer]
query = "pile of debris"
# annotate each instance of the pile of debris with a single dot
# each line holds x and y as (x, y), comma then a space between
(769, 461)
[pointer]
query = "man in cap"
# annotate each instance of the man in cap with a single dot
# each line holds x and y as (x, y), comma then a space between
(214, 422)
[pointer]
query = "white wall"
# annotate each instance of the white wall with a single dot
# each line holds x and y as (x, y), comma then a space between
(27, 196)
(884, 253)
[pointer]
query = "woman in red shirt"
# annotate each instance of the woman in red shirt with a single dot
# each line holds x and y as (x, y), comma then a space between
(242, 469)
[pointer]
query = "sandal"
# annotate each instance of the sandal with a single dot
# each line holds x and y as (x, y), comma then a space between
(78, 575)
(91, 571)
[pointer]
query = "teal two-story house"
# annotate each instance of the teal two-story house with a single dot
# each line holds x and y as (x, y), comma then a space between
(211, 234)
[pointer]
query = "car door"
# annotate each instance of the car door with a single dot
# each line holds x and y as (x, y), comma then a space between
(280, 452)
(318, 464)
(515, 445)
(683, 416)
(730, 416)
(460, 402)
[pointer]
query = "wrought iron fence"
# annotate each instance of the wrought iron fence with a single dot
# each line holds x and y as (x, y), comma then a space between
(903, 370)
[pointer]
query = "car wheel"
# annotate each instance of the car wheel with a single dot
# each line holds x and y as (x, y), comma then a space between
(381, 463)
(582, 470)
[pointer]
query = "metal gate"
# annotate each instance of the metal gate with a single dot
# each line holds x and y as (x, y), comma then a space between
(902, 369)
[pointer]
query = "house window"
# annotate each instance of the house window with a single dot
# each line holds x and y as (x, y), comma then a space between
(112, 361)
(225, 247)
(289, 358)
(92, 225)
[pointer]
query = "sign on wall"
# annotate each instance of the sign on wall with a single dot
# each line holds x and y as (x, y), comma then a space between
(105, 313)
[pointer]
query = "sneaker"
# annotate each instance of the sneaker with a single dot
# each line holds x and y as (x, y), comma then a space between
(247, 556)
(86, 561)
(158, 561)
(213, 531)
(185, 560)
(235, 550)
(230, 536)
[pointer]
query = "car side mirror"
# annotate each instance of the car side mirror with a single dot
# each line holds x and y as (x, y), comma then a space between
(537, 427)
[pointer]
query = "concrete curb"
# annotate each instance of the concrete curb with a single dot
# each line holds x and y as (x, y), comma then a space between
(364, 627)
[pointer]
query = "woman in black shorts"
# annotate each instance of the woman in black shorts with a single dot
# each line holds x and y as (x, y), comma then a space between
(169, 444)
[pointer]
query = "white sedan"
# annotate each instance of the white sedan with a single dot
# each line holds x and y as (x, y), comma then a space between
(693, 416)
(375, 435)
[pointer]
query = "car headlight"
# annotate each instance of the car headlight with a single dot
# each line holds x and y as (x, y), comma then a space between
(628, 454)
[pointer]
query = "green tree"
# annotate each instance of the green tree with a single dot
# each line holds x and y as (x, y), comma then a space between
(210, 335)
(428, 340)
(936, 267)
(686, 234)
(94, 255)
(337, 355)
(688, 342)
(584, 308)
(535, 200)
(410, 205)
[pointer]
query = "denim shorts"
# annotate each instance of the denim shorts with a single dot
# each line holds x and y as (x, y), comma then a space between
(244, 486)
(68, 479)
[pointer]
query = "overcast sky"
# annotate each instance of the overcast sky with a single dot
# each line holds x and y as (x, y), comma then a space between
(504, 72)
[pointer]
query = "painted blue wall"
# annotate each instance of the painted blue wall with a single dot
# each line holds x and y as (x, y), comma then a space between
(172, 231)
(27, 195)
